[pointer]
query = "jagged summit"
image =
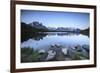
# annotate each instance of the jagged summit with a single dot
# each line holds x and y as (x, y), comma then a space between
(37, 25)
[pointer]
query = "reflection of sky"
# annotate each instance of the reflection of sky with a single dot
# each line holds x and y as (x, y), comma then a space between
(64, 41)
(56, 19)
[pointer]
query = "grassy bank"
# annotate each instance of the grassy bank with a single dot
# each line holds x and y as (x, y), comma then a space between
(29, 55)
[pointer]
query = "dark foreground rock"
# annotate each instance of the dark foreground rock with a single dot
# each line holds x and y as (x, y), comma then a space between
(56, 53)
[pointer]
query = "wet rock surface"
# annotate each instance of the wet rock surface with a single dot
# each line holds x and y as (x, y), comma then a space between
(55, 53)
(59, 53)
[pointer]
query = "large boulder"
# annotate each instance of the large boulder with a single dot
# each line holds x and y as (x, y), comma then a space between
(71, 52)
(51, 55)
(65, 50)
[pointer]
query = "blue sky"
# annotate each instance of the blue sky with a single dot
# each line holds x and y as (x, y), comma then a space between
(57, 19)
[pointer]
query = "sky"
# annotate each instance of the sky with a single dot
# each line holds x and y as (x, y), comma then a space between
(56, 18)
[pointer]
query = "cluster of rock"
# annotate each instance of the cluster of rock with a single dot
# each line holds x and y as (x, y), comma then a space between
(59, 53)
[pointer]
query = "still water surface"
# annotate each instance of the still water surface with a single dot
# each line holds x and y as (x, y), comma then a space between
(51, 38)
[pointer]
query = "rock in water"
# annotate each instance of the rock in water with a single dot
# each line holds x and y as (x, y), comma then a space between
(51, 55)
(86, 47)
(78, 48)
(41, 51)
(71, 52)
(64, 50)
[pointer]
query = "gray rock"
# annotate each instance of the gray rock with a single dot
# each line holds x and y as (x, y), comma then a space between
(86, 47)
(59, 56)
(43, 57)
(51, 55)
(85, 53)
(71, 52)
(65, 50)
(78, 48)
(41, 51)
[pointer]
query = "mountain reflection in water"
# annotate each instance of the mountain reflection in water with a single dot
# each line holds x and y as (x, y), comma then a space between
(56, 44)
(43, 39)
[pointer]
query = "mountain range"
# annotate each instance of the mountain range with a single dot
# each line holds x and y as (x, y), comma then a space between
(39, 27)
(30, 30)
